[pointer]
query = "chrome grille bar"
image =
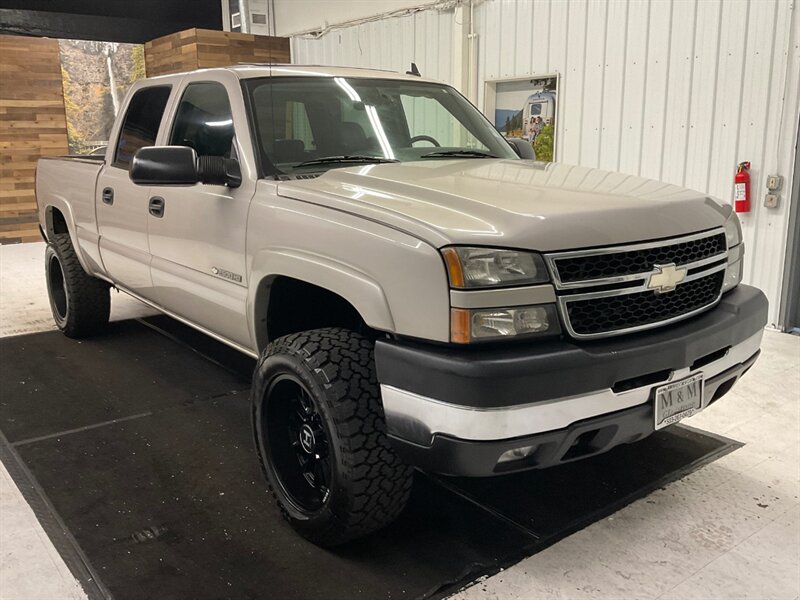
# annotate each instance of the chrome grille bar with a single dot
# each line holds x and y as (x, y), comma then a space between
(635, 283)
(552, 259)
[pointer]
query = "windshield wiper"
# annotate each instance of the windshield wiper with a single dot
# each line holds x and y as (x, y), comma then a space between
(459, 153)
(346, 158)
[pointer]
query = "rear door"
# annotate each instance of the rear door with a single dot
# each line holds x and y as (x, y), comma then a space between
(198, 240)
(122, 213)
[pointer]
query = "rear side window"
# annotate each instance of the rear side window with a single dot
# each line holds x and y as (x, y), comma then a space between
(204, 121)
(140, 126)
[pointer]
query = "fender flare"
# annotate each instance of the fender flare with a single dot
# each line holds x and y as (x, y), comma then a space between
(62, 205)
(358, 288)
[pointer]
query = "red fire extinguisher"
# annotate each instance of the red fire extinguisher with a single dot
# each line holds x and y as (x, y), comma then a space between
(741, 188)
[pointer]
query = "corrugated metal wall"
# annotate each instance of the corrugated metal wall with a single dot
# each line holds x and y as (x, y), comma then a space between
(680, 91)
(424, 37)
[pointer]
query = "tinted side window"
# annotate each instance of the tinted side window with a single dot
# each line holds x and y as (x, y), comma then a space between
(204, 121)
(140, 126)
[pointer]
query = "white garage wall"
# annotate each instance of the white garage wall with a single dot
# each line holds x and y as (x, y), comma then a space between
(679, 91)
(424, 37)
(297, 16)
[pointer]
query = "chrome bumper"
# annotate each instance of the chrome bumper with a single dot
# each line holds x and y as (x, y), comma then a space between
(426, 417)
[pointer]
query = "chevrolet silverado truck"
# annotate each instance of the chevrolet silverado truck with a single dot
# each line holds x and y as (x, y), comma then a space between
(418, 292)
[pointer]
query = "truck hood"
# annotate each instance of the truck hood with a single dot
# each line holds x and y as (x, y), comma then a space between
(511, 203)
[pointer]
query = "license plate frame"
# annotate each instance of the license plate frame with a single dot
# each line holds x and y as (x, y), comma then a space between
(677, 400)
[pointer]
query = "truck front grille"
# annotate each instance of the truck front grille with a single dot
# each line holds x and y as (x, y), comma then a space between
(600, 266)
(613, 291)
(616, 313)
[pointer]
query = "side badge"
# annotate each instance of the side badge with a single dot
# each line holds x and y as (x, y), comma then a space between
(226, 274)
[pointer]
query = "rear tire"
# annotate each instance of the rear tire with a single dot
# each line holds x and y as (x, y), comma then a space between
(321, 436)
(81, 304)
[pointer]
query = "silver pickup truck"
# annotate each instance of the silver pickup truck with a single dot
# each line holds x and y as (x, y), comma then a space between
(417, 291)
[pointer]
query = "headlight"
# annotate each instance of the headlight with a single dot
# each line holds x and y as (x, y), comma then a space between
(484, 324)
(733, 230)
(486, 267)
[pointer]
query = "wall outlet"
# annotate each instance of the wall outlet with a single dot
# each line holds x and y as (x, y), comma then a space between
(774, 182)
(771, 200)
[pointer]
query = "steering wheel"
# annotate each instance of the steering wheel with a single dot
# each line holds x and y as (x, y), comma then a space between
(425, 138)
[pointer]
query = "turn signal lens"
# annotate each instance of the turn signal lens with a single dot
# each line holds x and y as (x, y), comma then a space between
(459, 325)
(733, 273)
(494, 323)
(454, 271)
(733, 230)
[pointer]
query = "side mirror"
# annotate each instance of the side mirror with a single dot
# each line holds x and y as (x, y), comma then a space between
(522, 147)
(219, 170)
(180, 165)
(164, 165)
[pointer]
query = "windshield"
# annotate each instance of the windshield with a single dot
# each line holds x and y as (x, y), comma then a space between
(307, 124)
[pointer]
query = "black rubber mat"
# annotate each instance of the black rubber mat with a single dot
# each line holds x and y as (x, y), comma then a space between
(135, 450)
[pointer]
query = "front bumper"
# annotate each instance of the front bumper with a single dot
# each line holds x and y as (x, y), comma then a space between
(456, 411)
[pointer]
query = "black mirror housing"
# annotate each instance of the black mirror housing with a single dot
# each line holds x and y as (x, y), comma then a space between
(180, 165)
(522, 147)
(219, 170)
(164, 165)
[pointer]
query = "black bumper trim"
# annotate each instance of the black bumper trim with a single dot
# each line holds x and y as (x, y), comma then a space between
(523, 373)
(452, 456)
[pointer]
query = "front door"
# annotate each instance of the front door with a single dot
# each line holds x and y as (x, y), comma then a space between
(121, 204)
(198, 239)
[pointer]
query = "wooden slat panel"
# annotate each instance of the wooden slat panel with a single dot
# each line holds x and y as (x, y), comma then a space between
(204, 48)
(32, 125)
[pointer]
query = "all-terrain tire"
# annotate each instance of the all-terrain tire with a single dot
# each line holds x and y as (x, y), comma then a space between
(81, 304)
(368, 485)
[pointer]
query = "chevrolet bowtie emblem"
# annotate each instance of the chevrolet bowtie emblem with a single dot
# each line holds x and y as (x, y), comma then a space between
(665, 277)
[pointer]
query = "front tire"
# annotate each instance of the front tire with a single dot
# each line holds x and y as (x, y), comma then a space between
(321, 436)
(81, 304)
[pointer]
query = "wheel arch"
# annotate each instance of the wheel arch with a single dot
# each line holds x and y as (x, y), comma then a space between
(55, 221)
(286, 283)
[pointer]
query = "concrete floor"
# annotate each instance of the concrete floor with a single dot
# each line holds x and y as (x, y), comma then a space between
(729, 530)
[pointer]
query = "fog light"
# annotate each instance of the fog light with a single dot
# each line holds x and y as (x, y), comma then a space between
(516, 454)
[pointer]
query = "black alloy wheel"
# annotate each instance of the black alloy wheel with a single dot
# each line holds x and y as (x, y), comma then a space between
(297, 443)
(57, 286)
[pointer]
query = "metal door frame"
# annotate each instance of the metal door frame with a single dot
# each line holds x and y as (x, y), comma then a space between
(789, 315)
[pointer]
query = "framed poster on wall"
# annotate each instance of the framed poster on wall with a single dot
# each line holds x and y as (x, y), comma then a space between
(526, 108)
(95, 77)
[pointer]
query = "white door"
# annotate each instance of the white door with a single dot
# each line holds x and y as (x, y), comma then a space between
(198, 240)
(122, 212)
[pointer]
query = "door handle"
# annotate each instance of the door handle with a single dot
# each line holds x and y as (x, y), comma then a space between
(108, 196)
(156, 206)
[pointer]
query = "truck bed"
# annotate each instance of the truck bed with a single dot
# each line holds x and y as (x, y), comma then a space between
(67, 184)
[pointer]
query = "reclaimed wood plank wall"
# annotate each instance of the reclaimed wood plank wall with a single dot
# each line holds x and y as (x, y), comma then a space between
(205, 48)
(33, 121)
(32, 124)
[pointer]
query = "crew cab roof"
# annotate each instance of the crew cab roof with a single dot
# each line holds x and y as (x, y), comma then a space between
(252, 71)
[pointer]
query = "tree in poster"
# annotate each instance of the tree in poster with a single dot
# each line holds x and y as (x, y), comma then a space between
(543, 144)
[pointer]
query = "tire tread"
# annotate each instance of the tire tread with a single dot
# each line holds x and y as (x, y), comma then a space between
(89, 301)
(381, 483)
